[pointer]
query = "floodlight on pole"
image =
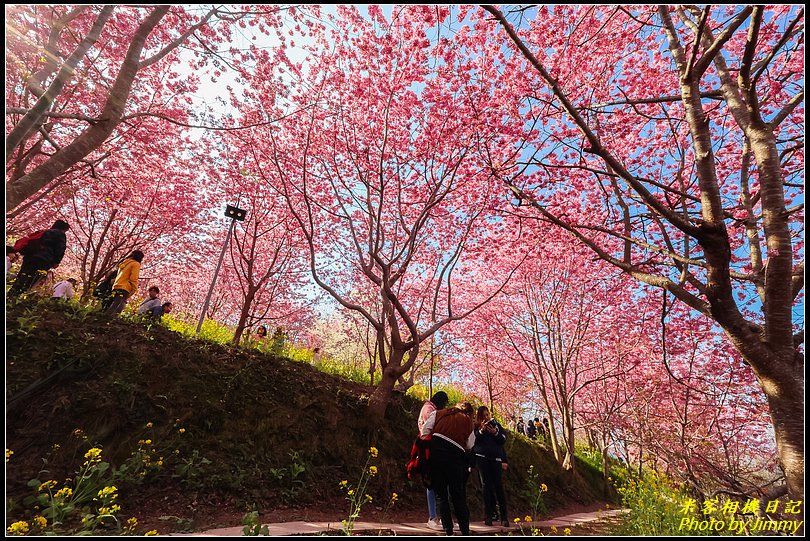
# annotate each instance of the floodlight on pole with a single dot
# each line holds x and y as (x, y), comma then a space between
(236, 215)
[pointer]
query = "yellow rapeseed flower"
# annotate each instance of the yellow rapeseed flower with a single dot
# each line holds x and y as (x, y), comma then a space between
(151, 532)
(108, 491)
(373, 452)
(351, 492)
(543, 487)
(47, 485)
(64, 493)
(372, 470)
(567, 531)
(9, 452)
(149, 425)
(182, 430)
(343, 483)
(554, 529)
(394, 497)
(527, 518)
(517, 520)
(93, 455)
(40, 521)
(132, 522)
(18, 528)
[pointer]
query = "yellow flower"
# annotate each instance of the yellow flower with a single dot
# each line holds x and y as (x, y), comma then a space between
(351, 492)
(64, 493)
(517, 520)
(567, 531)
(93, 455)
(554, 529)
(47, 485)
(108, 491)
(40, 521)
(543, 487)
(182, 430)
(18, 528)
(343, 483)
(132, 522)
(9, 452)
(149, 425)
(527, 518)
(394, 497)
(369, 498)
(373, 452)
(79, 434)
(151, 532)
(372, 470)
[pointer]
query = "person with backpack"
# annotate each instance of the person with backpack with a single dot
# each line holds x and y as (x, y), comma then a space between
(437, 402)
(41, 251)
(453, 434)
(126, 282)
(103, 291)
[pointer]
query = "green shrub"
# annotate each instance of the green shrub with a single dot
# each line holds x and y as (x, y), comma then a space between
(655, 503)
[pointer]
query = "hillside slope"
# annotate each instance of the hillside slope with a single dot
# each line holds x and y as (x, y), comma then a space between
(230, 426)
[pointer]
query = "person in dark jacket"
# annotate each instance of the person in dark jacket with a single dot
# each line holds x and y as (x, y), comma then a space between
(531, 430)
(39, 256)
(490, 459)
(453, 435)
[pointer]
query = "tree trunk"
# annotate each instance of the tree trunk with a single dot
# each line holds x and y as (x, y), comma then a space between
(378, 403)
(785, 393)
(243, 314)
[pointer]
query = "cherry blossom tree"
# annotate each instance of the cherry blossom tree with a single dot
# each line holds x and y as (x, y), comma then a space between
(384, 172)
(77, 75)
(678, 158)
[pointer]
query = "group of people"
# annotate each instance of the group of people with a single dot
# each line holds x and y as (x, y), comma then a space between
(462, 439)
(535, 429)
(43, 251)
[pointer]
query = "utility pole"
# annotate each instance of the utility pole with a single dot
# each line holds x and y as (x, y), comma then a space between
(235, 214)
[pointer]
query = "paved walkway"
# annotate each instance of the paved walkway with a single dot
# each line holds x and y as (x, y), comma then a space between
(476, 528)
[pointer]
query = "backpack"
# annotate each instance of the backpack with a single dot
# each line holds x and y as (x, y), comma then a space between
(29, 243)
(104, 288)
(418, 466)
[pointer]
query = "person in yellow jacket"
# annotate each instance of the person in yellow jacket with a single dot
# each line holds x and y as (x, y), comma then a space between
(126, 282)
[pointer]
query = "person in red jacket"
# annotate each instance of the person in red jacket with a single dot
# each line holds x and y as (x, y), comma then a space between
(39, 256)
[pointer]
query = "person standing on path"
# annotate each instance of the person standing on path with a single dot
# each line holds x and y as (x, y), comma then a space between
(490, 458)
(437, 402)
(40, 255)
(126, 282)
(453, 433)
